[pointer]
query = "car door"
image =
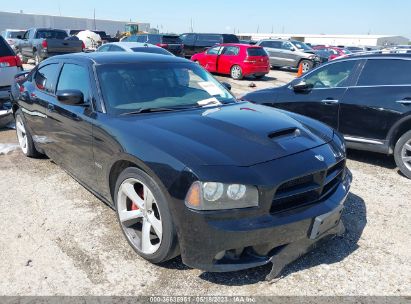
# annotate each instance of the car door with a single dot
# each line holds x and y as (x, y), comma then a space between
(227, 58)
(70, 127)
(211, 58)
(288, 54)
(326, 87)
(273, 49)
(380, 98)
(34, 100)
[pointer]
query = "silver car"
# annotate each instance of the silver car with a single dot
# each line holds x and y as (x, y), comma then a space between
(13, 37)
(290, 53)
(135, 47)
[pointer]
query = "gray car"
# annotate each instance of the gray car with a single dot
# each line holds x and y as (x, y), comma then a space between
(289, 53)
(135, 47)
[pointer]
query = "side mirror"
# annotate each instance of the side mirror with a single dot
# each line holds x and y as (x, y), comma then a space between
(292, 49)
(302, 86)
(226, 85)
(71, 97)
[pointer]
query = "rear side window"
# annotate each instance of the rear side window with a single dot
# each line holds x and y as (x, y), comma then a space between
(171, 40)
(154, 39)
(75, 77)
(209, 39)
(5, 49)
(51, 34)
(188, 38)
(272, 44)
(385, 72)
(45, 77)
(256, 52)
(231, 51)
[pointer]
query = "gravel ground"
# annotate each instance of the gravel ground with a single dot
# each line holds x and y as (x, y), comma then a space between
(56, 238)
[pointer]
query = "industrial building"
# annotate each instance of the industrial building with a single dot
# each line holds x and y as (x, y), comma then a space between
(344, 40)
(25, 21)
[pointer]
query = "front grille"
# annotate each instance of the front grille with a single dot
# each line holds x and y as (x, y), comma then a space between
(307, 189)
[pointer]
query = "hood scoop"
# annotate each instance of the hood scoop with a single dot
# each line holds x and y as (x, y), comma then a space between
(289, 132)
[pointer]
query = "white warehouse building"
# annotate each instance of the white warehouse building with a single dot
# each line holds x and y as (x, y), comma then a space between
(343, 40)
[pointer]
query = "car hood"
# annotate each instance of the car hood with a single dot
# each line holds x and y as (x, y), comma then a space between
(242, 134)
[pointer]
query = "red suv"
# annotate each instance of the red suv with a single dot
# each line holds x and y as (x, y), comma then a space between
(237, 60)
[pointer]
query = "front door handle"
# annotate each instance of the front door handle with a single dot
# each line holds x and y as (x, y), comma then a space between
(50, 108)
(405, 101)
(330, 101)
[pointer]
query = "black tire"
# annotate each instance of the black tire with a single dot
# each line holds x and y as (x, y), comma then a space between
(169, 245)
(401, 151)
(236, 72)
(30, 149)
(307, 65)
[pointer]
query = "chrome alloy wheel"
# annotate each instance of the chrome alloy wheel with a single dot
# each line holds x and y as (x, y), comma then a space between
(306, 66)
(139, 216)
(21, 134)
(236, 72)
(406, 154)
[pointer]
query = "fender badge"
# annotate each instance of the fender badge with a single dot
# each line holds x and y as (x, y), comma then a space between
(320, 157)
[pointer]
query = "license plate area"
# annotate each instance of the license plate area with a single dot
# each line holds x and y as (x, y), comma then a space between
(325, 222)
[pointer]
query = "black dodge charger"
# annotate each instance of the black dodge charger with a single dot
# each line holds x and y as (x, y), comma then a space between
(189, 169)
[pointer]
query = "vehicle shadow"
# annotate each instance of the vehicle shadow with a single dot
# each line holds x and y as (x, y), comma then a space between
(376, 159)
(330, 252)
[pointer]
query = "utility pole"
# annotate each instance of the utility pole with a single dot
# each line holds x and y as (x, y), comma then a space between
(94, 18)
(191, 26)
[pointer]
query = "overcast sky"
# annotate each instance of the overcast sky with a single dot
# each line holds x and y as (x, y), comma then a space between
(295, 16)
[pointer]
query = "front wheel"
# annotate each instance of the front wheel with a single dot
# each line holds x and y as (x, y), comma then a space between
(144, 216)
(236, 72)
(306, 65)
(402, 154)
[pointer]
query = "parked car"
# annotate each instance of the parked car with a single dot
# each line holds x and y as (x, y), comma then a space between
(334, 52)
(10, 65)
(105, 38)
(187, 167)
(366, 97)
(236, 60)
(290, 53)
(12, 37)
(135, 47)
(195, 43)
(42, 43)
(171, 43)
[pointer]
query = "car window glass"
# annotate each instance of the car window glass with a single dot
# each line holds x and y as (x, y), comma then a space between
(116, 48)
(5, 49)
(331, 76)
(188, 38)
(75, 77)
(45, 77)
(104, 48)
(287, 46)
(51, 34)
(213, 50)
(385, 72)
(209, 39)
(26, 35)
(230, 39)
(231, 51)
(153, 39)
(142, 38)
(152, 50)
(274, 44)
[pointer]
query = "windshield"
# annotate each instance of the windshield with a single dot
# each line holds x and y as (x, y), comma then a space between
(131, 87)
(13, 35)
(301, 45)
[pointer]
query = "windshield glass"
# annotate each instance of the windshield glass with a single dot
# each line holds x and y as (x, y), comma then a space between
(132, 87)
(301, 45)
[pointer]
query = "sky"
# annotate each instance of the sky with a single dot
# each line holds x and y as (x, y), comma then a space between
(226, 16)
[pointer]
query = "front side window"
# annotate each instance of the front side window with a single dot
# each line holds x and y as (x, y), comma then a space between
(287, 46)
(45, 77)
(385, 72)
(331, 76)
(132, 87)
(214, 50)
(104, 48)
(301, 45)
(75, 77)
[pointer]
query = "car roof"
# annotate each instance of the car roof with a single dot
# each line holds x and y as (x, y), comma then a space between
(120, 57)
(240, 45)
(129, 45)
(378, 56)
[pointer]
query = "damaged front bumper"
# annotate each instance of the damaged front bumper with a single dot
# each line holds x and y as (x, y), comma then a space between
(237, 243)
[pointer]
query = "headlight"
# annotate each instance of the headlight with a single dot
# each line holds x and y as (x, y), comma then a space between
(219, 196)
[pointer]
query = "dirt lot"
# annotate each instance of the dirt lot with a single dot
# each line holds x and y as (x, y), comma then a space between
(58, 239)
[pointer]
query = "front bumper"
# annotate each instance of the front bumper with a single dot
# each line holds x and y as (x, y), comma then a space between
(246, 238)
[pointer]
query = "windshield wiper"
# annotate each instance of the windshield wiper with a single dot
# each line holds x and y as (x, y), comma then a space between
(149, 110)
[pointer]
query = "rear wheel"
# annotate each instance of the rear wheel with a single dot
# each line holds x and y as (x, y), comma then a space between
(144, 216)
(402, 154)
(236, 72)
(24, 137)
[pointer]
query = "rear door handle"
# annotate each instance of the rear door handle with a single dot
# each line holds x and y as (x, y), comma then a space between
(50, 108)
(405, 101)
(330, 101)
